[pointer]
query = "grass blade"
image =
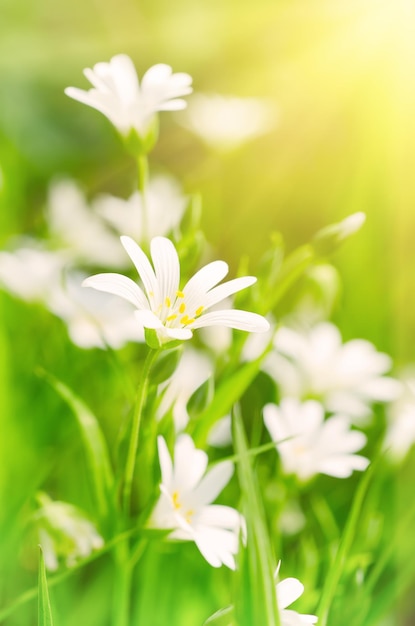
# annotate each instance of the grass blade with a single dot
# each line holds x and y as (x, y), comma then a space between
(44, 608)
(96, 449)
(256, 602)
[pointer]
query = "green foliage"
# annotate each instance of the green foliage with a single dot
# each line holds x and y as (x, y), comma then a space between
(101, 474)
(256, 599)
(44, 609)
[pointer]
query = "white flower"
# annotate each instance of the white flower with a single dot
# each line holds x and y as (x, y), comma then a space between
(31, 272)
(227, 122)
(65, 532)
(400, 434)
(308, 445)
(184, 505)
(165, 206)
(79, 230)
(193, 370)
(346, 378)
(117, 93)
(94, 320)
(174, 312)
(288, 591)
(220, 435)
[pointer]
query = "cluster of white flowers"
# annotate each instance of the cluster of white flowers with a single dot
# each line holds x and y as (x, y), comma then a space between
(326, 388)
(318, 375)
(64, 533)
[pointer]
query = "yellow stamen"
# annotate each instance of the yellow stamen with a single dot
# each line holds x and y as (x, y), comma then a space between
(180, 294)
(168, 302)
(171, 318)
(187, 320)
(151, 294)
(189, 516)
(182, 308)
(199, 311)
(175, 498)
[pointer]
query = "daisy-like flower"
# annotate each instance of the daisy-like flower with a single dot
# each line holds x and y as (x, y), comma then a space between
(346, 378)
(308, 444)
(226, 122)
(81, 232)
(64, 533)
(174, 311)
(93, 320)
(165, 205)
(184, 505)
(31, 272)
(288, 591)
(193, 370)
(116, 92)
(400, 433)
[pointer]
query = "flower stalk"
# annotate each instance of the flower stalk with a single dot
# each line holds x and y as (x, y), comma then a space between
(135, 429)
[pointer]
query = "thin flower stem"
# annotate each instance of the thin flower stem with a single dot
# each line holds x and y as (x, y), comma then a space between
(142, 168)
(336, 570)
(135, 429)
(122, 587)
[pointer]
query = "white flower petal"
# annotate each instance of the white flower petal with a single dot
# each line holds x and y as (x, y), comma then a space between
(288, 591)
(167, 267)
(143, 267)
(342, 466)
(118, 285)
(166, 465)
(189, 463)
(233, 318)
(217, 294)
(221, 516)
(124, 77)
(201, 282)
(147, 319)
(178, 333)
(213, 483)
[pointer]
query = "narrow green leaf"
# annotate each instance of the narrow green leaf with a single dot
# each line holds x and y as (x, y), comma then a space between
(96, 449)
(201, 398)
(256, 602)
(223, 617)
(165, 365)
(334, 574)
(44, 608)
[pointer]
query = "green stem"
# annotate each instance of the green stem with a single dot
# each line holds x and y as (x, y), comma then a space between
(334, 575)
(142, 168)
(135, 430)
(122, 587)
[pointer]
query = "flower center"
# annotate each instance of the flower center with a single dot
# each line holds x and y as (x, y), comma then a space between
(177, 505)
(175, 312)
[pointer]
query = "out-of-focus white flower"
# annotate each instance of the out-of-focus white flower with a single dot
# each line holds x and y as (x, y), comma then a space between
(171, 311)
(255, 345)
(220, 435)
(79, 230)
(308, 445)
(31, 272)
(184, 505)
(400, 434)
(193, 370)
(94, 320)
(328, 239)
(346, 378)
(65, 533)
(288, 591)
(117, 93)
(226, 122)
(165, 206)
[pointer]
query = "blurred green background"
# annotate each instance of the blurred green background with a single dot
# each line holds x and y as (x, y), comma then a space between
(341, 75)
